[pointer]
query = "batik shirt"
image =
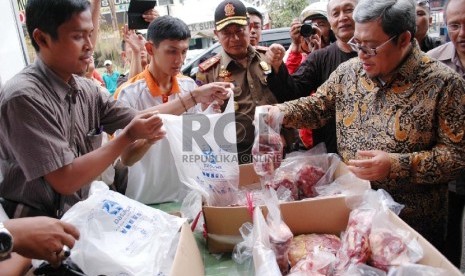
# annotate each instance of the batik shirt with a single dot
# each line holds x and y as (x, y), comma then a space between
(418, 117)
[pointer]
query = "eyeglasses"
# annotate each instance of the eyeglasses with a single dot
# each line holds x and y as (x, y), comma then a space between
(367, 50)
(454, 27)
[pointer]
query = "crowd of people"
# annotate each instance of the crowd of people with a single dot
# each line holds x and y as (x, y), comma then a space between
(368, 81)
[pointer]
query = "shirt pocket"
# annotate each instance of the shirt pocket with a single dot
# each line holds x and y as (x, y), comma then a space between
(94, 141)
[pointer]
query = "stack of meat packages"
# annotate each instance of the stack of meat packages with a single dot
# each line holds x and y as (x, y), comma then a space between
(367, 240)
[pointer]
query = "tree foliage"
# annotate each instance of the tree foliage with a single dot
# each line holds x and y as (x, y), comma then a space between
(282, 12)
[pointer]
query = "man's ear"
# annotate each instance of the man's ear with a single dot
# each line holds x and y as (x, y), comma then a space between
(42, 39)
(149, 47)
(404, 38)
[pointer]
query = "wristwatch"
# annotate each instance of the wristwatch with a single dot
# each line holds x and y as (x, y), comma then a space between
(6, 243)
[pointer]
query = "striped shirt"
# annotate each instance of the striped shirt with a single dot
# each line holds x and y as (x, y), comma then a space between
(35, 136)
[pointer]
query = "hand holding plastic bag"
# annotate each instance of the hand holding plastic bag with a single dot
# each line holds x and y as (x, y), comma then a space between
(122, 236)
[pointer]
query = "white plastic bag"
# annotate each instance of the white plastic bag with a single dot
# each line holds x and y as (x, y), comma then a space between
(205, 153)
(120, 236)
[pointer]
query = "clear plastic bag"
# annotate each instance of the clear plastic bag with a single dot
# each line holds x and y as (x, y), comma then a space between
(267, 149)
(390, 245)
(417, 270)
(303, 173)
(356, 247)
(280, 234)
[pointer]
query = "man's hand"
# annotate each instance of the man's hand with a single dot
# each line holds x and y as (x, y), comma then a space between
(372, 165)
(274, 55)
(314, 41)
(295, 32)
(274, 115)
(133, 40)
(150, 15)
(215, 91)
(42, 238)
(146, 125)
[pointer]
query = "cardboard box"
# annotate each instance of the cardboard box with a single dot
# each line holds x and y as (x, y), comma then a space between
(223, 223)
(187, 260)
(318, 215)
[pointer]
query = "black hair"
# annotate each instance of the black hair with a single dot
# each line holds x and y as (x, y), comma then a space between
(251, 10)
(48, 15)
(167, 27)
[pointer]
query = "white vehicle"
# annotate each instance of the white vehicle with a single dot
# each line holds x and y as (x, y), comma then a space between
(13, 52)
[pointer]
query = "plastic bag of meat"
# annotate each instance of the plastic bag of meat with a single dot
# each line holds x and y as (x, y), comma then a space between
(355, 248)
(318, 262)
(417, 270)
(284, 178)
(280, 234)
(303, 245)
(315, 171)
(306, 179)
(390, 245)
(302, 173)
(264, 258)
(267, 150)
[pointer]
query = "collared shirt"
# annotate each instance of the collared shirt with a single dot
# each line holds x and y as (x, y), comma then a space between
(111, 81)
(446, 54)
(154, 178)
(35, 123)
(142, 90)
(418, 117)
(250, 90)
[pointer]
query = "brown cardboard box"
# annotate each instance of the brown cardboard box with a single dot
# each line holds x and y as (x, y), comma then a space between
(318, 215)
(187, 260)
(223, 223)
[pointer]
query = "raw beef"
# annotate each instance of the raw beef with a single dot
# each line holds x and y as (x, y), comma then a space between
(267, 153)
(307, 177)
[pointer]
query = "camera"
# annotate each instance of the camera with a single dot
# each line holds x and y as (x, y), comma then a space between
(308, 28)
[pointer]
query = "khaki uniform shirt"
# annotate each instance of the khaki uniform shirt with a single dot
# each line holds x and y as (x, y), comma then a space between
(418, 117)
(250, 90)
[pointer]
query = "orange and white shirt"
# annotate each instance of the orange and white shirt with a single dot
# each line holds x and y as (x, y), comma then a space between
(142, 90)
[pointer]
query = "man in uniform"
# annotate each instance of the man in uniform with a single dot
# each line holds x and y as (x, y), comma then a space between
(242, 65)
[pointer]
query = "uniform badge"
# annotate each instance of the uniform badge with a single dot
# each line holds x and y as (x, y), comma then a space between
(265, 67)
(225, 74)
(229, 10)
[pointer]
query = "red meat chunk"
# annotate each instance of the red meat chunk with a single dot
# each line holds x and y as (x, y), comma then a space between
(307, 177)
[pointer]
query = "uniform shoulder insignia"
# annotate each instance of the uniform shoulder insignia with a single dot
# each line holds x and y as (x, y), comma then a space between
(261, 49)
(204, 66)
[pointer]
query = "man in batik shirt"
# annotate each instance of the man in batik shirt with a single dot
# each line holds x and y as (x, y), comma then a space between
(400, 116)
